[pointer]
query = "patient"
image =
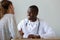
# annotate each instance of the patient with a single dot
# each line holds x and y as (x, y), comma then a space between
(33, 27)
(7, 21)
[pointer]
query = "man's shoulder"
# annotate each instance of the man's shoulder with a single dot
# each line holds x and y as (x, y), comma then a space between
(24, 20)
(42, 21)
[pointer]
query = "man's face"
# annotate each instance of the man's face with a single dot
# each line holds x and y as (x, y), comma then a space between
(32, 13)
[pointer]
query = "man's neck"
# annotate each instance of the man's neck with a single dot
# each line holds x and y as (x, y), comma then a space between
(33, 19)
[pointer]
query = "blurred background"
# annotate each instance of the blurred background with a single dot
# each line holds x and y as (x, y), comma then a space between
(49, 11)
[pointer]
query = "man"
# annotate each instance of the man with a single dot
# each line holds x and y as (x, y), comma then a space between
(33, 27)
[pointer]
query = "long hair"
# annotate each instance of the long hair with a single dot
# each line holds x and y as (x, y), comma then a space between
(5, 5)
(1, 11)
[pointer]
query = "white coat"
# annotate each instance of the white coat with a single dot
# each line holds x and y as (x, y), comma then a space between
(37, 28)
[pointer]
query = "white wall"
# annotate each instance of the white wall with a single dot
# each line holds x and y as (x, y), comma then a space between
(49, 10)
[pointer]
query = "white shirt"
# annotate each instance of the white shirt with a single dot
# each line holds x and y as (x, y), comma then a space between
(8, 27)
(35, 28)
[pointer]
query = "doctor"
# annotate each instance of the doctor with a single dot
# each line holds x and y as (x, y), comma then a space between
(33, 27)
(8, 27)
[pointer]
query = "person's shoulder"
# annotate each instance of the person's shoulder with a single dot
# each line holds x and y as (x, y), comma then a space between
(23, 21)
(42, 21)
(8, 15)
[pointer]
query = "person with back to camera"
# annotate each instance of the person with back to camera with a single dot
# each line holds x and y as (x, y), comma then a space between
(7, 21)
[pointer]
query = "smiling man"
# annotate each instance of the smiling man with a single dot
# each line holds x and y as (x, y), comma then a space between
(33, 27)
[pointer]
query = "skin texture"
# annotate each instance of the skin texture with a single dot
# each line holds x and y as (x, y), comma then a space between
(21, 32)
(32, 15)
(11, 9)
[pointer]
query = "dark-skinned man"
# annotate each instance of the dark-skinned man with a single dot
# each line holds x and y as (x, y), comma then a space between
(33, 27)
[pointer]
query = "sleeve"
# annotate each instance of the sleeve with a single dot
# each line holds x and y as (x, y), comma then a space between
(22, 24)
(46, 31)
(13, 27)
(4, 29)
(19, 26)
(1, 32)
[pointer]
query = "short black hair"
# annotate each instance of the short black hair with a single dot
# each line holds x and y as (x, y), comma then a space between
(34, 7)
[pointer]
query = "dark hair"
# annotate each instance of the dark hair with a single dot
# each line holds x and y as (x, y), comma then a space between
(5, 5)
(34, 7)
